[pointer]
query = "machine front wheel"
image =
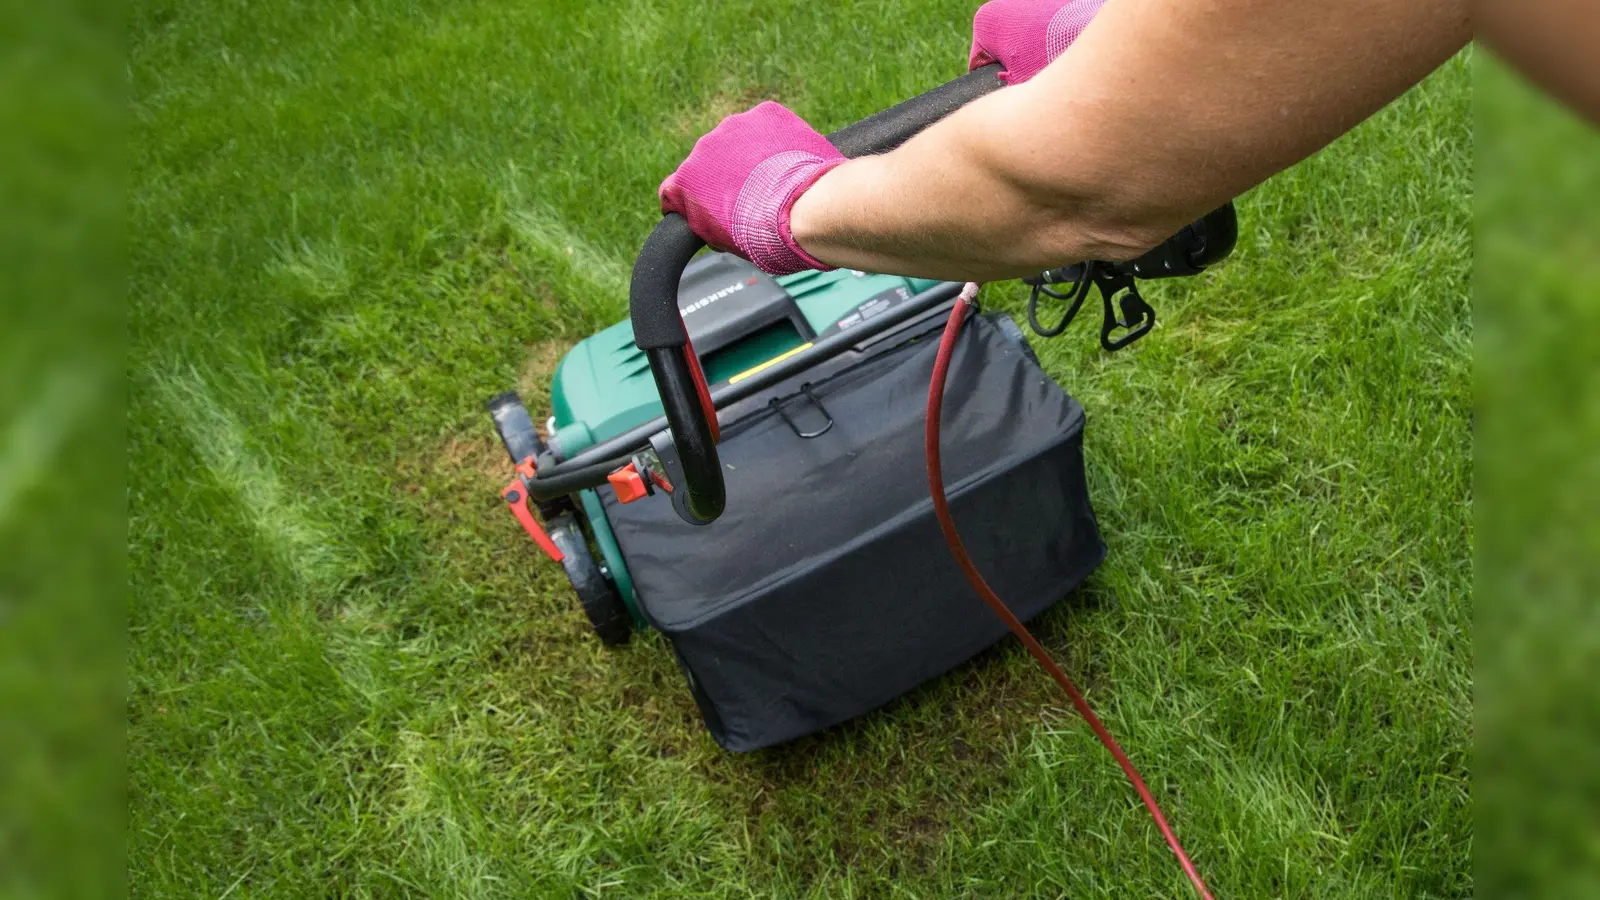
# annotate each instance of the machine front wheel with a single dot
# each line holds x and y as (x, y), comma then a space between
(596, 593)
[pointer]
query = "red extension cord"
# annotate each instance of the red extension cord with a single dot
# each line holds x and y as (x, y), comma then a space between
(941, 510)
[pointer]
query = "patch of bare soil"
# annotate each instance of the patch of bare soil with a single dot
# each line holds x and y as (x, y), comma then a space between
(694, 122)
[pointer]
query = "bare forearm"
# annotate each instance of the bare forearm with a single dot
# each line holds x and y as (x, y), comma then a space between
(965, 200)
(1162, 110)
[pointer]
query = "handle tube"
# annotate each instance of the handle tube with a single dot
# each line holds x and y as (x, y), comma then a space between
(653, 293)
(884, 131)
(703, 487)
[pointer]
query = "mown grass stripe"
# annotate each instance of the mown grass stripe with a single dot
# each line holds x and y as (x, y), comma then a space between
(283, 524)
(552, 238)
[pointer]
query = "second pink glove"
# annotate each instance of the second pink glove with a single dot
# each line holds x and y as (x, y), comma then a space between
(742, 178)
(1027, 35)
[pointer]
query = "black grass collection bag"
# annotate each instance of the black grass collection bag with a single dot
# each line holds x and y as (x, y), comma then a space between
(825, 589)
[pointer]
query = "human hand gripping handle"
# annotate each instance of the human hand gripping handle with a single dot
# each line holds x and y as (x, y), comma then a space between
(742, 178)
(1024, 36)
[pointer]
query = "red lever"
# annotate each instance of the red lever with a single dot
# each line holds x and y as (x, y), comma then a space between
(516, 496)
(700, 388)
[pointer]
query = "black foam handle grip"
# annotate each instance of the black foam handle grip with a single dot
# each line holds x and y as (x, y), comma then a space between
(1215, 236)
(653, 292)
(884, 131)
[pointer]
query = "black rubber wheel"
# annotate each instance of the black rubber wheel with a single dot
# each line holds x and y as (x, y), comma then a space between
(596, 593)
(515, 427)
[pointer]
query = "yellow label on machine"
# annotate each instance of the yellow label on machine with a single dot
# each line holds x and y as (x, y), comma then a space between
(771, 362)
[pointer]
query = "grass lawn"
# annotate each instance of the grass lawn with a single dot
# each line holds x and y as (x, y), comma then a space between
(349, 674)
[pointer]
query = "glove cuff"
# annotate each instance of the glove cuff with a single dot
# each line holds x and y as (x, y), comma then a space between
(761, 228)
(786, 233)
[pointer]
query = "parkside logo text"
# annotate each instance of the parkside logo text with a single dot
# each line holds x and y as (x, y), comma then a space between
(709, 299)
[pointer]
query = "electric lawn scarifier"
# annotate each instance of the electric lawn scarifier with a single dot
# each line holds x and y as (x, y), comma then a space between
(739, 465)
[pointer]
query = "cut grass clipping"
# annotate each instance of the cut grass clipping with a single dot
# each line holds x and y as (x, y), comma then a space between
(350, 675)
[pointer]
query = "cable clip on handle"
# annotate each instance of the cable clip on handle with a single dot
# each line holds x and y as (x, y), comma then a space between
(1137, 317)
(1189, 252)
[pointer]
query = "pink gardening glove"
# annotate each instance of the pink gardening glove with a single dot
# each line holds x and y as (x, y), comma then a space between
(742, 178)
(1026, 35)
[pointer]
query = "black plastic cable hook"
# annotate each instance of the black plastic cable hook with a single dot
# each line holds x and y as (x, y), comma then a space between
(1137, 317)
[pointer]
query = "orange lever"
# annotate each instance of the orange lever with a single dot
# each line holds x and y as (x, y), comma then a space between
(628, 484)
(516, 495)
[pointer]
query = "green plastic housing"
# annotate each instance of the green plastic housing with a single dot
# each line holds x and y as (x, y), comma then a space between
(604, 382)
